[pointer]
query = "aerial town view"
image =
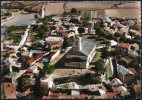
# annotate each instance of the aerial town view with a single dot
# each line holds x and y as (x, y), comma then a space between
(70, 50)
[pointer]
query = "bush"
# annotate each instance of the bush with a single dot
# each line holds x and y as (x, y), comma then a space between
(6, 14)
(48, 68)
(73, 10)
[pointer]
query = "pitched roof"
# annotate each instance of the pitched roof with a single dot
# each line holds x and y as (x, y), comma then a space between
(28, 42)
(137, 88)
(132, 70)
(126, 45)
(64, 34)
(124, 71)
(123, 22)
(87, 47)
(60, 30)
(11, 51)
(115, 26)
(54, 42)
(135, 26)
(9, 90)
(31, 60)
(119, 31)
(29, 74)
(50, 55)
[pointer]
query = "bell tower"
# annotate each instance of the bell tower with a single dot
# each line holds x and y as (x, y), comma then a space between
(77, 43)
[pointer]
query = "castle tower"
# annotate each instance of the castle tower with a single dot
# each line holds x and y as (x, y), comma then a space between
(77, 43)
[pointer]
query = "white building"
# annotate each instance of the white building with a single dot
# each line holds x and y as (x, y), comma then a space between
(81, 54)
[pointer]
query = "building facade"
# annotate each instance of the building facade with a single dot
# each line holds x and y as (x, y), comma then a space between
(81, 54)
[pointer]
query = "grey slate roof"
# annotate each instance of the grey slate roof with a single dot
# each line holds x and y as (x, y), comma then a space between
(85, 49)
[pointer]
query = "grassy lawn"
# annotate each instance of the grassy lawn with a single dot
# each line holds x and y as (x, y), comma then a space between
(93, 38)
(126, 59)
(97, 57)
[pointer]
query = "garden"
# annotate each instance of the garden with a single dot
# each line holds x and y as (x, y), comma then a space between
(84, 79)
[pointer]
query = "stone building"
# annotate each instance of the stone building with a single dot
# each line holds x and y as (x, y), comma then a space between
(81, 54)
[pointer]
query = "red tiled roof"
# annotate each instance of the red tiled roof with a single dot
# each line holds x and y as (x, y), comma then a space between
(50, 55)
(113, 95)
(119, 31)
(94, 21)
(132, 70)
(54, 42)
(28, 42)
(64, 34)
(35, 58)
(29, 74)
(65, 21)
(61, 30)
(127, 45)
(115, 89)
(138, 27)
(137, 88)
(9, 90)
(115, 26)
(11, 51)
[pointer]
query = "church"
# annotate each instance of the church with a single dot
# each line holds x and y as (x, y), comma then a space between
(81, 54)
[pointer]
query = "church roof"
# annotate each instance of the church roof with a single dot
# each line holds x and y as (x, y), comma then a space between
(86, 48)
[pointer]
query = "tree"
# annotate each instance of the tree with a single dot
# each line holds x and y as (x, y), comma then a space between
(81, 30)
(35, 16)
(65, 13)
(73, 10)
(48, 68)
(65, 43)
(99, 65)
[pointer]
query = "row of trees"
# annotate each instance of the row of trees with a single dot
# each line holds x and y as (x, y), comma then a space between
(15, 28)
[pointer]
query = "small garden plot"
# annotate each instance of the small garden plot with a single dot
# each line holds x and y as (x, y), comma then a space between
(80, 79)
(15, 28)
(15, 38)
(97, 57)
(6, 15)
(108, 71)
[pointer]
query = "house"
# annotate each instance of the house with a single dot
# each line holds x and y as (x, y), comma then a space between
(40, 65)
(114, 94)
(123, 48)
(51, 38)
(28, 43)
(116, 82)
(136, 27)
(8, 91)
(53, 95)
(133, 53)
(81, 54)
(53, 45)
(123, 22)
(133, 70)
(115, 27)
(26, 54)
(34, 59)
(11, 51)
(123, 91)
(119, 32)
(126, 76)
(137, 89)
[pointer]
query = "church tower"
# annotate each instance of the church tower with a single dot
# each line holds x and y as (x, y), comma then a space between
(77, 43)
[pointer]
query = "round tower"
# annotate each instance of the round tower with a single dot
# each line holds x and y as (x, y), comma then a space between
(46, 83)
